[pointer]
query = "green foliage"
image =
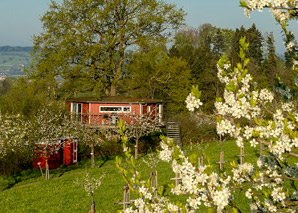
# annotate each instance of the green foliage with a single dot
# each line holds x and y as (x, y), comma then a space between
(195, 91)
(201, 48)
(154, 74)
(15, 161)
(86, 41)
(24, 97)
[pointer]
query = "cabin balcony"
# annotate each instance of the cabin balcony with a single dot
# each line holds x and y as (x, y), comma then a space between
(111, 120)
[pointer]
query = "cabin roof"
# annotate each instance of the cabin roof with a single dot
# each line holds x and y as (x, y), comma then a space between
(113, 99)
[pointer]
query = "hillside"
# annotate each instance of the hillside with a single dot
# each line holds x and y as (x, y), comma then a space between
(29, 192)
(12, 59)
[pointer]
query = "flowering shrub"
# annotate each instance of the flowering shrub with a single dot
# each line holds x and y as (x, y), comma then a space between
(269, 185)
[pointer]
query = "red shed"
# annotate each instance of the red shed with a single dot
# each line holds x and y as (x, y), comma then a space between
(109, 109)
(65, 152)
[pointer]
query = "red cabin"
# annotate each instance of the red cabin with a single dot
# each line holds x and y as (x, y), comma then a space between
(108, 110)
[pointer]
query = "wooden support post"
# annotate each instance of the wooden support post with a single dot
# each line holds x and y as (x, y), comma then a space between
(241, 155)
(177, 179)
(153, 181)
(47, 177)
(200, 161)
(126, 198)
(39, 164)
(221, 161)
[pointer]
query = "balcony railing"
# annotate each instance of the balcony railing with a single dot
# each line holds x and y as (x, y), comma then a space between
(113, 118)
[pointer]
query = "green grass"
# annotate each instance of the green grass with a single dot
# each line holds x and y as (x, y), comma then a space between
(28, 192)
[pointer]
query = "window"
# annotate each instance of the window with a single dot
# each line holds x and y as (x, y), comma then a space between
(110, 109)
(77, 111)
(115, 109)
(126, 109)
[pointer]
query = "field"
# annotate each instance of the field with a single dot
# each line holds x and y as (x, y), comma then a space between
(28, 192)
(12, 59)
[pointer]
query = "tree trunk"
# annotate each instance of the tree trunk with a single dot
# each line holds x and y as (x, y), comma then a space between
(92, 207)
(47, 170)
(92, 156)
(113, 89)
(136, 149)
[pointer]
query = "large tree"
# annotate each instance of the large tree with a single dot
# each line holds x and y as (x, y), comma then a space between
(86, 41)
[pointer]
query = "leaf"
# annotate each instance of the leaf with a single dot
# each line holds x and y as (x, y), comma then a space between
(193, 158)
(243, 3)
(235, 210)
(218, 99)
(218, 119)
(195, 91)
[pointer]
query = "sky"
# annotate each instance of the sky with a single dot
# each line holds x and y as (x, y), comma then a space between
(20, 19)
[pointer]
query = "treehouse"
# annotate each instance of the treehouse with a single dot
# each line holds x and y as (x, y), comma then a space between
(107, 111)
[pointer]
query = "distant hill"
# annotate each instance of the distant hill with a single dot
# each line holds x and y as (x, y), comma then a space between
(15, 49)
(13, 59)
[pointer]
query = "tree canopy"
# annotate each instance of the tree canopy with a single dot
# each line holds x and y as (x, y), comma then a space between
(86, 41)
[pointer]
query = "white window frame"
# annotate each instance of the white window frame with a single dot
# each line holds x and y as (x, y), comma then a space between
(122, 109)
(72, 108)
(75, 114)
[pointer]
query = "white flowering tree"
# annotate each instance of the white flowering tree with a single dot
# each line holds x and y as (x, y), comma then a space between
(270, 183)
(90, 185)
(91, 136)
(47, 130)
(141, 125)
(13, 131)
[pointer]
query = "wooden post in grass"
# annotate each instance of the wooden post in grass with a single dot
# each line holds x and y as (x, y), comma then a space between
(153, 180)
(200, 161)
(262, 148)
(126, 198)
(47, 169)
(177, 179)
(39, 164)
(221, 161)
(241, 155)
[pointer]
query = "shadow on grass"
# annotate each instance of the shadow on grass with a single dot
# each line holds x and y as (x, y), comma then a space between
(105, 159)
(10, 181)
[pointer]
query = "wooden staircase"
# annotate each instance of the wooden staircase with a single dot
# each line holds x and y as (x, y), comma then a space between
(173, 132)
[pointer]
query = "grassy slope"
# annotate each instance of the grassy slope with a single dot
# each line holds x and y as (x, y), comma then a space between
(32, 194)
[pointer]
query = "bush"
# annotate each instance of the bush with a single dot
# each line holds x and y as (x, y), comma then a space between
(197, 128)
(16, 161)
